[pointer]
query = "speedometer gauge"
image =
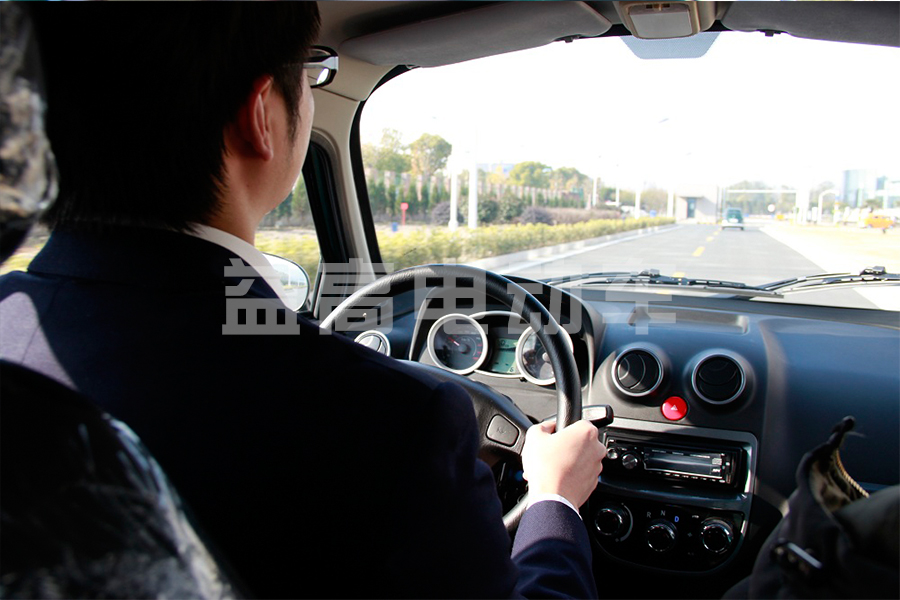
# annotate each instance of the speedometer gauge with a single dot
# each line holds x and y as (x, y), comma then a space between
(533, 360)
(457, 343)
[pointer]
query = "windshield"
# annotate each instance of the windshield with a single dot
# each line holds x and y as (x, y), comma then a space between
(764, 159)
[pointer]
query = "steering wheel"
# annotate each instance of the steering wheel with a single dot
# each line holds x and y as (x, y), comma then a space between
(502, 425)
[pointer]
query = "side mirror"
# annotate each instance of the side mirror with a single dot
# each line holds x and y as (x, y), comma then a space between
(294, 280)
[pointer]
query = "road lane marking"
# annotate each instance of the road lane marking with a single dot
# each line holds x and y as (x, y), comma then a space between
(709, 239)
(699, 251)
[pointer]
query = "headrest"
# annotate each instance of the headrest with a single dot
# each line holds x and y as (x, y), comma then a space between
(27, 168)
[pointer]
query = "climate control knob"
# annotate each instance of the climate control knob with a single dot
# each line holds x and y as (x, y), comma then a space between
(716, 535)
(661, 535)
(613, 521)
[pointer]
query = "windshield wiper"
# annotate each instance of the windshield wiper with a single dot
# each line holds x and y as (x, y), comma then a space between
(870, 276)
(652, 277)
(776, 289)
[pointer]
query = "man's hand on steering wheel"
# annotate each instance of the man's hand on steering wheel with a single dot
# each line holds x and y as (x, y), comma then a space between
(565, 463)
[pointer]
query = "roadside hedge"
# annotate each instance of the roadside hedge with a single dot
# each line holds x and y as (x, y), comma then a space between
(440, 245)
(302, 249)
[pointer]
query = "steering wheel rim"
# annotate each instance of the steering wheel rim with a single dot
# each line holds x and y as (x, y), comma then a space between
(519, 301)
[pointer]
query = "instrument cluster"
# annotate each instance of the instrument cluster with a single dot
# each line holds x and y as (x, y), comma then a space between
(496, 343)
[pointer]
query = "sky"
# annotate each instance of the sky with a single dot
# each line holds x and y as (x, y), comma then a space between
(782, 110)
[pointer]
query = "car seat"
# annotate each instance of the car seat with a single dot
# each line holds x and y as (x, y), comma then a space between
(86, 510)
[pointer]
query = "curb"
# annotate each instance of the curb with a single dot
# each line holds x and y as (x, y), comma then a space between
(535, 254)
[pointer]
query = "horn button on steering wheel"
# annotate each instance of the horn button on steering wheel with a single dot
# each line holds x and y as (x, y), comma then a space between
(502, 431)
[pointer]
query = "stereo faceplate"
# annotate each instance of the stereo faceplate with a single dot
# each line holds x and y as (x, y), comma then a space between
(635, 457)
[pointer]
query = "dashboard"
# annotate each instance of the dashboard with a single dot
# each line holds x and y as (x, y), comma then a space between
(716, 399)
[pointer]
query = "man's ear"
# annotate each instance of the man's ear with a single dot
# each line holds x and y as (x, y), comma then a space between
(254, 120)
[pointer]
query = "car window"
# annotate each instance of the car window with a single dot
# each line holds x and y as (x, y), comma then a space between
(289, 231)
(613, 161)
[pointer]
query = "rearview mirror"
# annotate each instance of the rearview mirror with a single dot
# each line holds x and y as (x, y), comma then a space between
(294, 280)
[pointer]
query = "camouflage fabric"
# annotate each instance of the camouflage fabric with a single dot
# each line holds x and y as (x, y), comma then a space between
(27, 169)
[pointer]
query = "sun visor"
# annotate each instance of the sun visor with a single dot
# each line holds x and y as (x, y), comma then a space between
(484, 31)
(860, 22)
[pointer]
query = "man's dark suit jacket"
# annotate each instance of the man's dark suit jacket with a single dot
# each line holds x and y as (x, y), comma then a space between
(314, 466)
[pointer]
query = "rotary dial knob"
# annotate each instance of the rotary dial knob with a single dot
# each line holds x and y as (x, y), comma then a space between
(661, 535)
(716, 535)
(613, 521)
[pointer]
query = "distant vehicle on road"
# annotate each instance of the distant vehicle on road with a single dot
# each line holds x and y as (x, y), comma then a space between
(882, 222)
(733, 218)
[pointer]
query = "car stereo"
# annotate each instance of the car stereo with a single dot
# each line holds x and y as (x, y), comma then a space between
(632, 457)
(673, 497)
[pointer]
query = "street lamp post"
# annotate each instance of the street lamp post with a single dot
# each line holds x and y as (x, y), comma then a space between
(454, 199)
(473, 196)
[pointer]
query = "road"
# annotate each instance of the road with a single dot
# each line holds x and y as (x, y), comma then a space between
(705, 251)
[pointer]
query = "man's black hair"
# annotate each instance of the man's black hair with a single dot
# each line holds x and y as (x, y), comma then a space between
(139, 96)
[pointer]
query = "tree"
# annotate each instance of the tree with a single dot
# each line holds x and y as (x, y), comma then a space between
(299, 199)
(572, 183)
(424, 201)
(497, 176)
(510, 206)
(569, 179)
(378, 197)
(530, 174)
(488, 210)
(441, 193)
(390, 155)
(429, 154)
(626, 197)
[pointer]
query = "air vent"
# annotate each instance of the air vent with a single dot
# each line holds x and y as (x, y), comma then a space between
(719, 379)
(637, 373)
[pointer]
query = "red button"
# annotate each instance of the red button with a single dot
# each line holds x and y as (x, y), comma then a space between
(674, 408)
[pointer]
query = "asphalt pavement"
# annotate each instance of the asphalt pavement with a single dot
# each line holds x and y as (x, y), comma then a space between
(699, 251)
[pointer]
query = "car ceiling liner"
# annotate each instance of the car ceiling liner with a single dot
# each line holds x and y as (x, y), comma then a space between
(483, 31)
(498, 28)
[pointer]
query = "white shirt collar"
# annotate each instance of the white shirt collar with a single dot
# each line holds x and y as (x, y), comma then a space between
(247, 252)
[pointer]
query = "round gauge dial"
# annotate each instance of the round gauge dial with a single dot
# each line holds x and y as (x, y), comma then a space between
(457, 343)
(533, 360)
(376, 341)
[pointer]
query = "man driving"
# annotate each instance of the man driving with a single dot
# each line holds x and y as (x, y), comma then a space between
(314, 466)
